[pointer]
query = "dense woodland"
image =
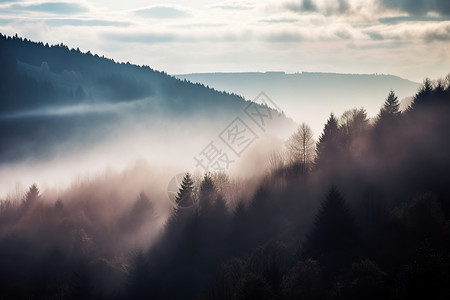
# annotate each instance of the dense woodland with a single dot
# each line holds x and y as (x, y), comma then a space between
(55, 74)
(363, 213)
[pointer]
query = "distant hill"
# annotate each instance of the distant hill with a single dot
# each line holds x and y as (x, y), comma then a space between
(35, 75)
(56, 99)
(311, 97)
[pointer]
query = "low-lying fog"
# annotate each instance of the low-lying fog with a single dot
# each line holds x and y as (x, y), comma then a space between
(74, 144)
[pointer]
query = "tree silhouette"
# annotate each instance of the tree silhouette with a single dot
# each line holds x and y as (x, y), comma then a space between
(327, 144)
(422, 98)
(184, 197)
(334, 230)
(383, 135)
(390, 108)
(32, 195)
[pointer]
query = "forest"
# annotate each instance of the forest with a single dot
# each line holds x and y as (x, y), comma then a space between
(363, 213)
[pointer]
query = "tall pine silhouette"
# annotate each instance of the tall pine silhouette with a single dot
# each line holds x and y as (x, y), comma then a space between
(32, 195)
(390, 109)
(184, 197)
(327, 144)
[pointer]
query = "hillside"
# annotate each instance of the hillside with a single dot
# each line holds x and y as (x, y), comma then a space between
(59, 99)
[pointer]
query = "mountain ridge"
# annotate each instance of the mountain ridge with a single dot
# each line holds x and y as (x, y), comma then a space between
(48, 91)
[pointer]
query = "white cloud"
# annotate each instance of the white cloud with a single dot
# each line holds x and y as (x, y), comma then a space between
(350, 36)
(164, 12)
(234, 5)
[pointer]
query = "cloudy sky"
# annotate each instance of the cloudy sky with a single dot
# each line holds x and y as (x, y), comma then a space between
(409, 38)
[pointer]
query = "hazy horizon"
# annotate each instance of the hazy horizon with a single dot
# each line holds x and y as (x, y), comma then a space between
(404, 38)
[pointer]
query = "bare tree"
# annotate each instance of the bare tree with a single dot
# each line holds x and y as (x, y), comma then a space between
(301, 145)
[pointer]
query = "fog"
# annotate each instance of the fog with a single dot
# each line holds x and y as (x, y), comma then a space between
(165, 144)
(125, 183)
(304, 95)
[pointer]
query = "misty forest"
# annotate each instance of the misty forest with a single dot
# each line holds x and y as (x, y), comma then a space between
(360, 212)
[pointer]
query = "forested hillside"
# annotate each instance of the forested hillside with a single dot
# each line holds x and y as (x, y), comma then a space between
(58, 100)
(361, 214)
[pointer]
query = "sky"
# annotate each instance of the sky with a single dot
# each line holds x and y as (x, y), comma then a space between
(407, 38)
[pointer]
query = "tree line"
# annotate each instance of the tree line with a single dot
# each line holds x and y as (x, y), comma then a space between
(361, 214)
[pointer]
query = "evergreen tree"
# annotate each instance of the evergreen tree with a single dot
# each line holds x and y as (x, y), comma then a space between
(334, 231)
(32, 195)
(383, 135)
(390, 108)
(423, 95)
(327, 144)
(184, 197)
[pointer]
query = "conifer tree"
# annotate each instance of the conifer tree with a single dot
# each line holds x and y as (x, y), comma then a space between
(423, 95)
(184, 197)
(390, 108)
(32, 195)
(334, 230)
(327, 144)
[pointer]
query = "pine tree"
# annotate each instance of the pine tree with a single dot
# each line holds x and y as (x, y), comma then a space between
(327, 144)
(184, 197)
(390, 108)
(423, 96)
(334, 230)
(32, 195)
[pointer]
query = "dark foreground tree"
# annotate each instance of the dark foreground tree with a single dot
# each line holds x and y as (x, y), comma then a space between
(334, 231)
